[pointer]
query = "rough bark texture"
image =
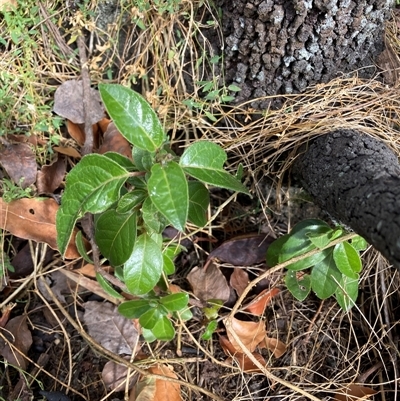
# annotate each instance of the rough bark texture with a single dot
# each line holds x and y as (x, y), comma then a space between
(281, 46)
(356, 179)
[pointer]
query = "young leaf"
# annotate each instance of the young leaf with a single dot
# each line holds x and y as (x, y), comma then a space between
(149, 319)
(204, 161)
(320, 240)
(152, 218)
(168, 190)
(143, 159)
(199, 199)
(347, 260)
(144, 267)
(115, 235)
(163, 329)
(168, 265)
(210, 329)
(93, 185)
(133, 116)
(324, 277)
(185, 314)
(81, 247)
(300, 286)
(131, 200)
(347, 292)
(175, 302)
(135, 308)
(359, 243)
(107, 287)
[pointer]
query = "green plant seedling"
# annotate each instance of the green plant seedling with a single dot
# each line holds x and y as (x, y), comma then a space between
(133, 202)
(334, 269)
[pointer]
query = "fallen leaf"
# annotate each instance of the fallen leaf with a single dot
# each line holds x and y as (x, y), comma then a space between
(259, 303)
(249, 333)
(113, 141)
(24, 171)
(243, 251)
(209, 283)
(5, 314)
(153, 389)
(239, 280)
(354, 392)
(277, 347)
(68, 103)
(18, 334)
(34, 219)
(244, 362)
(113, 331)
(50, 177)
(68, 151)
(114, 376)
(76, 131)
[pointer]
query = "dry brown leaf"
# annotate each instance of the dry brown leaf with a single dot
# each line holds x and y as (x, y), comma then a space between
(239, 280)
(209, 283)
(17, 332)
(68, 103)
(50, 177)
(244, 362)
(113, 141)
(114, 376)
(250, 334)
(259, 303)
(34, 219)
(277, 347)
(5, 314)
(68, 151)
(19, 161)
(76, 131)
(243, 251)
(109, 328)
(355, 392)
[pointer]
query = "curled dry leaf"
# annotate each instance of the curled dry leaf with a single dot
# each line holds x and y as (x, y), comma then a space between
(18, 334)
(259, 303)
(77, 132)
(50, 177)
(34, 219)
(239, 280)
(68, 103)
(209, 283)
(249, 333)
(277, 347)
(115, 375)
(68, 151)
(243, 251)
(113, 141)
(19, 161)
(244, 362)
(355, 392)
(113, 331)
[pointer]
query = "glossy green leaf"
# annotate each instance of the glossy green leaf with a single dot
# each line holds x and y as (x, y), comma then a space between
(143, 159)
(324, 277)
(148, 335)
(199, 199)
(175, 302)
(107, 287)
(93, 185)
(149, 319)
(168, 265)
(144, 267)
(309, 261)
(347, 292)
(135, 308)
(115, 235)
(168, 190)
(337, 232)
(163, 329)
(205, 161)
(359, 243)
(81, 247)
(299, 285)
(184, 315)
(133, 116)
(210, 330)
(121, 160)
(322, 239)
(347, 260)
(152, 218)
(131, 200)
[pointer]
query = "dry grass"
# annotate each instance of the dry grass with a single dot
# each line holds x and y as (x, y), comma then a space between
(327, 349)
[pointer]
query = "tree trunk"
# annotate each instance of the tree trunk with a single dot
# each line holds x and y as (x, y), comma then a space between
(356, 179)
(281, 46)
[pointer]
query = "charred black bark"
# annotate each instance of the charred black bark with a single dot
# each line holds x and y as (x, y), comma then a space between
(356, 179)
(283, 46)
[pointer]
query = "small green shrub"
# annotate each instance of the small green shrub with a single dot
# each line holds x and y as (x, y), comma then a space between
(134, 201)
(334, 268)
